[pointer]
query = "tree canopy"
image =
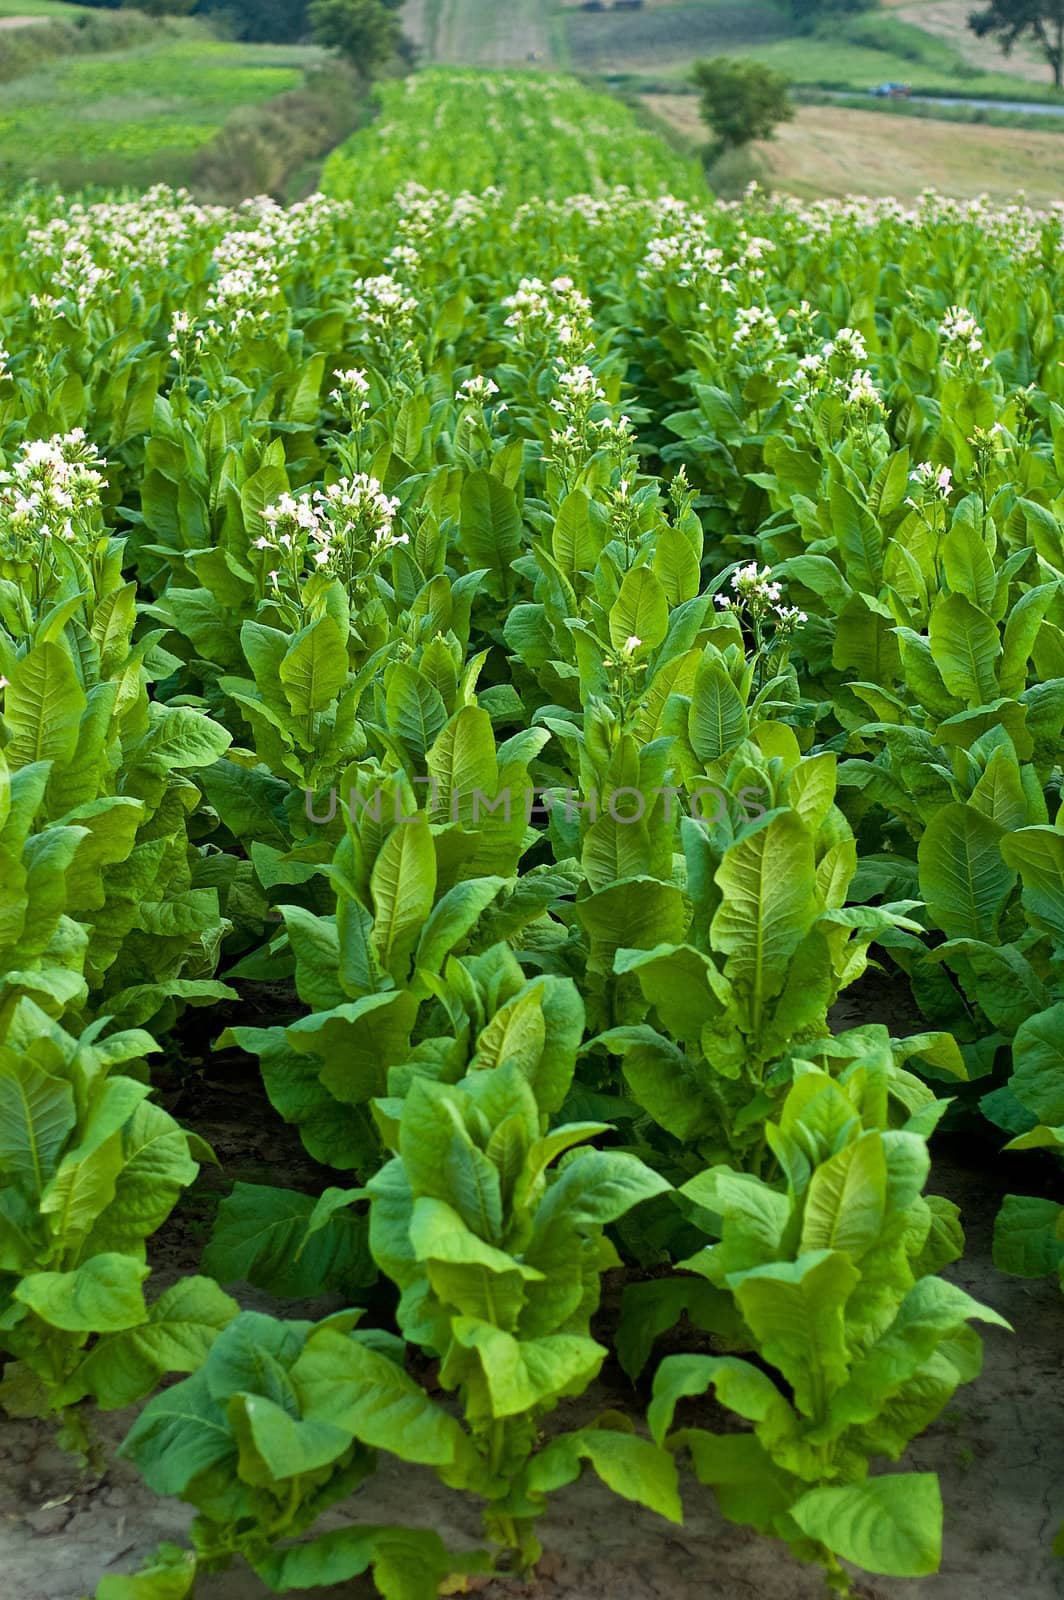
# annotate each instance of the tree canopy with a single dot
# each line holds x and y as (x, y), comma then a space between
(1011, 20)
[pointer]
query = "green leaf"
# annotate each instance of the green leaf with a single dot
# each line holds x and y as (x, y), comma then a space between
(36, 1117)
(640, 611)
(181, 1327)
(963, 875)
(717, 722)
(408, 1563)
(1038, 1065)
(169, 1575)
(1029, 1236)
(490, 532)
(181, 737)
(890, 1525)
(343, 1381)
(766, 881)
(43, 704)
(965, 647)
(453, 918)
(314, 668)
(272, 1238)
(795, 1312)
(847, 1197)
(597, 1187)
(179, 1434)
(102, 1295)
(415, 708)
(522, 1374)
(274, 1446)
(632, 1467)
(403, 885)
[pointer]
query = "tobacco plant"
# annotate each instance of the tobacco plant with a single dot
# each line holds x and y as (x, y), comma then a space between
(859, 1344)
(90, 1168)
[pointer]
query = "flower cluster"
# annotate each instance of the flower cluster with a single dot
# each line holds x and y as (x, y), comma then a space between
(861, 398)
(681, 257)
(758, 595)
(544, 314)
(848, 348)
(339, 531)
(936, 482)
(961, 334)
(349, 396)
(586, 424)
(756, 326)
(382, 305)
(477, 391)
(52, 491)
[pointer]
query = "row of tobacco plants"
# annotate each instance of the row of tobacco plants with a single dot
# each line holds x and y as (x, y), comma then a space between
(556, 643)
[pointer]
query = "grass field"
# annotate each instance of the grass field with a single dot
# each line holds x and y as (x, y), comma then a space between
(483, 33)
(666, 38)
(37, 8)
(832, 150)
(857, 53)
(948, 20)
(129, 115)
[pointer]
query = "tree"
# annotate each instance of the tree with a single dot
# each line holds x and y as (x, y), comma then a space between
(1010, 20)
(367, 33)
(808, 13)
(741, 100)
(282, 21)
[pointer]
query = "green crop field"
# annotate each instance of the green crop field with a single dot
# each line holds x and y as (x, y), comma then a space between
(125, 115)
(531, 846)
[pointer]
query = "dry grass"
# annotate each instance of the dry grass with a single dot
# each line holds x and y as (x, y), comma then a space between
(831, 150)
(948, 20)
(481, 33)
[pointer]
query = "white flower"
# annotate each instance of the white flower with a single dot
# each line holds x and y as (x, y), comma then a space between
(477, 390)
(960, 330)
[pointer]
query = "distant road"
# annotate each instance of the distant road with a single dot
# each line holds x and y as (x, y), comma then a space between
(1037, 108)
(1034, 108)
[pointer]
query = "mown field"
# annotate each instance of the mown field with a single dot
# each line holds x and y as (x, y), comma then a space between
(532, 910)
(836, 151)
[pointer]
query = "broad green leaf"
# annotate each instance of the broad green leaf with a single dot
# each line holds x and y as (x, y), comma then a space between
(342, 1381)
(403, 885)
(795, 1311)
(43, 704)
(717, 722)
(891, 1524)
(767, 906)
(640, 611)
(169, 1575)
(36, 1116)
(104, 1294)
(963, 875)
(266, 1237)
(181, 1327)
(314, 668)
(179, 1434)
(965, 647)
